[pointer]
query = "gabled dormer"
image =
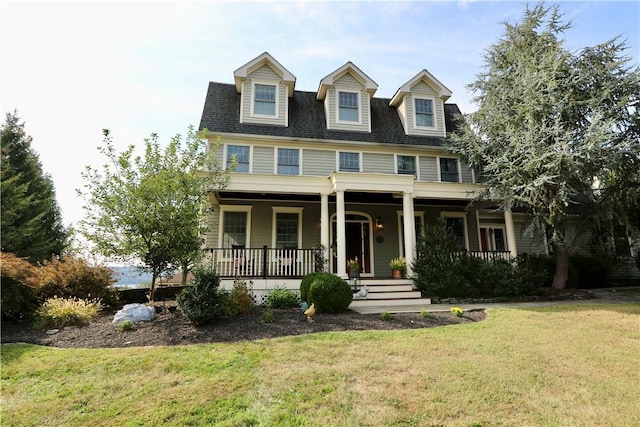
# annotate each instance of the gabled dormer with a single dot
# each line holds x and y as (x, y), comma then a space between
(265, 87)
(347, 94)
(420, 104)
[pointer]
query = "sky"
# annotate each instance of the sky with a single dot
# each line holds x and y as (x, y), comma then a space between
(71, 69)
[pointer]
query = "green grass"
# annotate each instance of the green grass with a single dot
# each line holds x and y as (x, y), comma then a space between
(567, 365)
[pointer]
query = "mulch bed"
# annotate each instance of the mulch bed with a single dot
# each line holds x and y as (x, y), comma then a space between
(173, 328)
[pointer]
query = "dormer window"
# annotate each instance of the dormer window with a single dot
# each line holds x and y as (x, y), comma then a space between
(424, 112)
(264, 100)
(348, 107)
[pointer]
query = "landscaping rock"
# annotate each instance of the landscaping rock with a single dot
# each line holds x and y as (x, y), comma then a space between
(135, 313)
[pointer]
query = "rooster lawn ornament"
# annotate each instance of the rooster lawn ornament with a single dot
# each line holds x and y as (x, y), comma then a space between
(310, 312)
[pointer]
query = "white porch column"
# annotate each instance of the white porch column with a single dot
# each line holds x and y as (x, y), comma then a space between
(409, 230)
(341, 235)
(511, 233)
(324, 223)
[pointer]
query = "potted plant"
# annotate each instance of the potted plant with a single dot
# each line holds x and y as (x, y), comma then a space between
(353, 267)
(398, 267)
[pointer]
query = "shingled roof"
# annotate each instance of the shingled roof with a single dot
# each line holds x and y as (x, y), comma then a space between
(221, 114)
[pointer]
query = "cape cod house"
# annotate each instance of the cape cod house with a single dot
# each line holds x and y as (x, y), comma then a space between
(340, 168)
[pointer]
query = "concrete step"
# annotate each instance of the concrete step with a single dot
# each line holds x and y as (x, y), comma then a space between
(389, 302)
(388, 288)
(393, 295)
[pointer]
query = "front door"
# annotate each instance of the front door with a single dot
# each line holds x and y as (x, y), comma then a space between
(357, 240)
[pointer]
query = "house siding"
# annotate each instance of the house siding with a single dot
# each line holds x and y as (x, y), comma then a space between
(263, 160)
(467, 175)
(318, 162)
(428, 169)
(267, 75)
(348, 83)
(377, 163)
(525, 243)
(422, 90)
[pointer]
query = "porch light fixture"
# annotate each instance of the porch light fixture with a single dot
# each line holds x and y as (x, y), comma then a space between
(379, 224)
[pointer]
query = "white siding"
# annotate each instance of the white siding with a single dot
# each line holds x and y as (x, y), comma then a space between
(467, 176)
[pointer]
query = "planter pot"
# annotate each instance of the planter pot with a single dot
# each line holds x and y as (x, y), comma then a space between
(397, 274)
(354, 273)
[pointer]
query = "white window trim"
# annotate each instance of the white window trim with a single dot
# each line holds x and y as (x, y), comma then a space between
(419, 215)
(275, 160)
(492, 237)
(348, 122)
(283, 209)
(462, 215)
(277, 95)
(234, 208)
(440, 172)
(359, 153)
(225, 151)
(433, 107)
(395, 164)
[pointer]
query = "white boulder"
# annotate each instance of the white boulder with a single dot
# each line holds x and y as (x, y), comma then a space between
(135, 313)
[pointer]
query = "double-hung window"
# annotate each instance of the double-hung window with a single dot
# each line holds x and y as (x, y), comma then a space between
(241, 154)
(424, 112)
(286, 230)
(348, 107)
(348, 162)
(288, 161)
(264, 100)
(234, 232)
(448, 170)
(406, 165)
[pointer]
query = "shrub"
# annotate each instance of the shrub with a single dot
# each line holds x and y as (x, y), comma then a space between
(330, 293)
(437, 256)
(240, 300)
(203, 302)
(425, 314)
(17, 286)
(457, 311)
(267, 317)
(281, 298)
(58, 312)
(125, 325)
(386, 316)
(305, 285)
(591, 271)
(74, 277)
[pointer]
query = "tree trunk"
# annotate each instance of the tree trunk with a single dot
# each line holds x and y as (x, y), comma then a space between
(562, 267)
(185, 271)
(152, 290)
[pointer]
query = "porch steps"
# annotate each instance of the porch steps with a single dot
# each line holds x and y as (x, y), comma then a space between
(389, 292)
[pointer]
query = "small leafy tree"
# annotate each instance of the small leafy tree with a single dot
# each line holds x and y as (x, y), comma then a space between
(149, 208)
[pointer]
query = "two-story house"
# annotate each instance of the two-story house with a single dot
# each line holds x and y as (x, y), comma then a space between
(341, 168)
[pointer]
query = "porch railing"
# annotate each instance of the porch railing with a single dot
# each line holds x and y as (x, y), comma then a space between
(262, 262)
(490, 256)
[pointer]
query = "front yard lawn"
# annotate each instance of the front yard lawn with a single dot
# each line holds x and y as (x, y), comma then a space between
(566, 365)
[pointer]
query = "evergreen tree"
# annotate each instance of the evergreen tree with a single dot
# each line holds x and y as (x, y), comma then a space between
(31, 220)
(551, 123)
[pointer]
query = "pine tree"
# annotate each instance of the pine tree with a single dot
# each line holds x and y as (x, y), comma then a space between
(31, 220)
(551, 124)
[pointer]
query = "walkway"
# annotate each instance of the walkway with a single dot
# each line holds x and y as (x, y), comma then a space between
(602, 296)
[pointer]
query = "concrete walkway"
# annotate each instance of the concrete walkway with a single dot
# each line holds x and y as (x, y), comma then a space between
(601, 296)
